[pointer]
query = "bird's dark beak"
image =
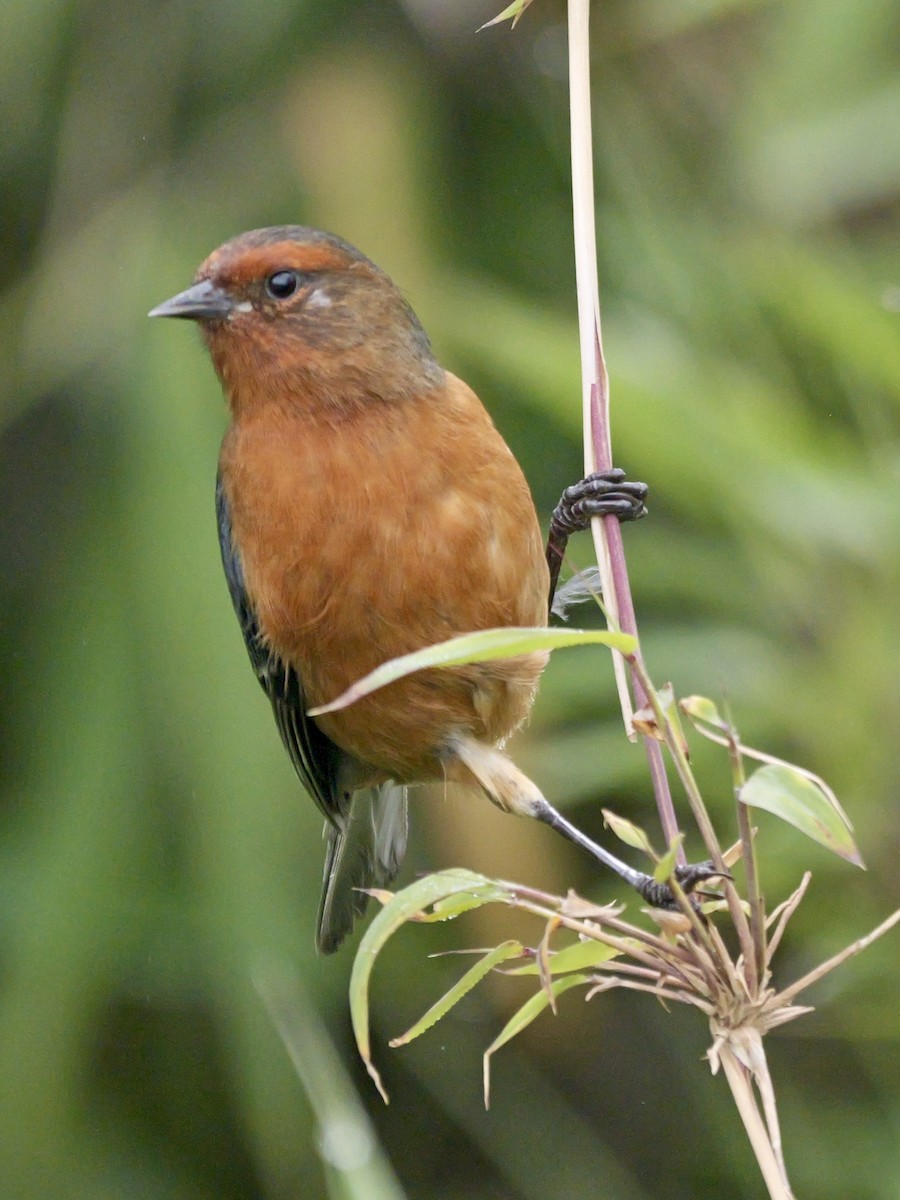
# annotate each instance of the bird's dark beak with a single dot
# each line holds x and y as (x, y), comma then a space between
(202, 302)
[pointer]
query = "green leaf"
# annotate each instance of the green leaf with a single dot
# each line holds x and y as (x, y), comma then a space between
(483, 646)
(701, 708)
(666, 864)
(787, 793)
(533, 1007)
(452, 907)
(627, 832)
(400, 909)
(577, 957)
(670, 705)
(474, 975)
(513, 12)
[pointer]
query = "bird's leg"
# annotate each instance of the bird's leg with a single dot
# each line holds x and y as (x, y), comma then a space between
(512, 790)
(606, 493)
(658, 895)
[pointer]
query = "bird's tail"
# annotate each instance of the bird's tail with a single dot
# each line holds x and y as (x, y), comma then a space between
(365, 853)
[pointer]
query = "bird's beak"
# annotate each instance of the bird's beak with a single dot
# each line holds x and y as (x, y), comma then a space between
(202, 302)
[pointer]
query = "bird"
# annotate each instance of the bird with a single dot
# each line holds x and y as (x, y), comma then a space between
(367, 507)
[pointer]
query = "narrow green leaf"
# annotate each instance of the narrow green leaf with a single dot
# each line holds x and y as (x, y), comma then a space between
(666, 864)
(513, 12)
(784, 791)
(454, 906)
(673, 713)
(399, 909)
(483, 646)
(627, 832)
(532, 1008)
(462, 986)
(577, 957)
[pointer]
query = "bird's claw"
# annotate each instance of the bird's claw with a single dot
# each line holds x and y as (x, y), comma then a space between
(603, 494)
(688, 877)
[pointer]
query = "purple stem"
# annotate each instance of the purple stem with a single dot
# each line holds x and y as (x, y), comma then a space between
(627, 620)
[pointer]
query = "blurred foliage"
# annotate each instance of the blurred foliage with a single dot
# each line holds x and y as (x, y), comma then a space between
(156, 853)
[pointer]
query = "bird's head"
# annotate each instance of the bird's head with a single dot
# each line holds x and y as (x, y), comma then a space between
(295, 316)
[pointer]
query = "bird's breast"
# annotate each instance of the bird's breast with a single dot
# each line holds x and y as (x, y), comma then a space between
(368, 539)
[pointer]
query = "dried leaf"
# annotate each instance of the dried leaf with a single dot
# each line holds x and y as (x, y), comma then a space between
(543, 960)
(670, 921)
(644, 722)
(577, 907)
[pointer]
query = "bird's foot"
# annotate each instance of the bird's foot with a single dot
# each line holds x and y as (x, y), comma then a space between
(689, 877)
(604, 494)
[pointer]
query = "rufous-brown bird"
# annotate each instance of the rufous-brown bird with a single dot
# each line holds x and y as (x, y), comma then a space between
(368, 507)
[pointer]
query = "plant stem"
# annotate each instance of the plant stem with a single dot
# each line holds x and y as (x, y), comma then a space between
(698, 808)
(740, 1081)
(595, 391)
(755, 968)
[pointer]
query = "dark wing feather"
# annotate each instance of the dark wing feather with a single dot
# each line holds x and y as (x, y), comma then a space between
(365, 828)
(317, 760)
(365, 853)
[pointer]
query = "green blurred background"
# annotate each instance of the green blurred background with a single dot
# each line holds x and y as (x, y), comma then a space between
(158, 862)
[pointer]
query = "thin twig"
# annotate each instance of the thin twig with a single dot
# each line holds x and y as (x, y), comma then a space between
(783, 914)
(591, 920)
(606, 985)
(819, 972)
(655, 963)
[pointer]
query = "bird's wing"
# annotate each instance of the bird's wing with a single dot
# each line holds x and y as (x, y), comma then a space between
(365, 827)
(317, 760)
(366, 853)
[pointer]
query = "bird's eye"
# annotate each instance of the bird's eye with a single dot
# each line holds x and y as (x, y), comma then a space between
(282, 284)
